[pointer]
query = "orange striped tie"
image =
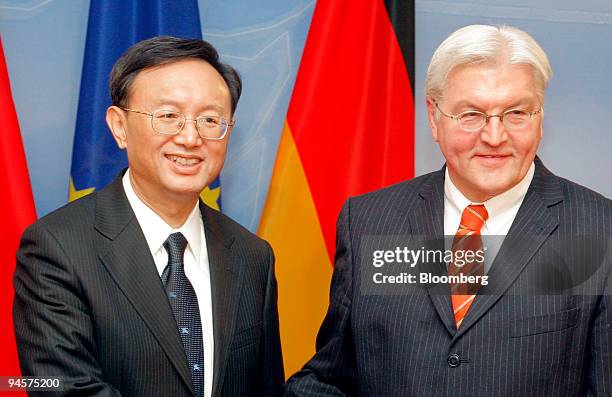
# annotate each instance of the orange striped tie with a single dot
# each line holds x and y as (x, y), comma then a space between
(467, 239)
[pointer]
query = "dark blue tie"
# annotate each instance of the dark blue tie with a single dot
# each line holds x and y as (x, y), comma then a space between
(184, 303)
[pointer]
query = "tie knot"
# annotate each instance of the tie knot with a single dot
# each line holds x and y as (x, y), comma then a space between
(175, 244)
(474, 217)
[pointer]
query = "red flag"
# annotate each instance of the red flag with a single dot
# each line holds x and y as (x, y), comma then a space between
(349, 130)
(17, 211)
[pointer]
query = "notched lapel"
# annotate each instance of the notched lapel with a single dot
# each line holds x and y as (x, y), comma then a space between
(225, 281)
(128, 260)
(533, 225)
(428, 223)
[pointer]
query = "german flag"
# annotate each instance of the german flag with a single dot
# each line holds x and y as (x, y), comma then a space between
(349, 130)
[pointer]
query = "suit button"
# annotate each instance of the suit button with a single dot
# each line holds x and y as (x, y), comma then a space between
(453, 360)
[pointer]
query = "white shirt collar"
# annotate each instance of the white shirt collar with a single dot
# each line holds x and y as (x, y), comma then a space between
(156, 230)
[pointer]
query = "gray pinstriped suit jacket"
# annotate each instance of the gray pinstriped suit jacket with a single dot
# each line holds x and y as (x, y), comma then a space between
(90, 306)
(510, 344)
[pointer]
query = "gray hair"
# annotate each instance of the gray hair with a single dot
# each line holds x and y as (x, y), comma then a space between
(477, 44)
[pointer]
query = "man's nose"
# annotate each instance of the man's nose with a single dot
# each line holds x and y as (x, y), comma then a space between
(494, 132)
(189, 135)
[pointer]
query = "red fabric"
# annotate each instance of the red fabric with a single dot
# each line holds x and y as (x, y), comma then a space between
(17, 211)
(352, 110)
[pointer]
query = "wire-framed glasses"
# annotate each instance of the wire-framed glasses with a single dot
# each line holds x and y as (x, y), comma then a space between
(169, 122)
(473, 120)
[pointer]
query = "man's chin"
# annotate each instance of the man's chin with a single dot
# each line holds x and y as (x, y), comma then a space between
(493, 187)
(187, 188)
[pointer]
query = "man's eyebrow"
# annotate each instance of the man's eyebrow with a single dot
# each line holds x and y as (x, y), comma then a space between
(465, 103)
(213, 106)
(525, 101)
(520, 102)
(164, 101)
(160, 102)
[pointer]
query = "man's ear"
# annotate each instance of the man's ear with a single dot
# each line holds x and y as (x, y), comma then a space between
(230, 129)
(116, 121)
(431, 117)
(542, 124)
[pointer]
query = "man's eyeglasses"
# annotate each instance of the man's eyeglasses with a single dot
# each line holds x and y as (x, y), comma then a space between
(473, 120)
(168, 122)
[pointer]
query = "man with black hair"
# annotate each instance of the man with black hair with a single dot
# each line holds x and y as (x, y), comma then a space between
(140, 289)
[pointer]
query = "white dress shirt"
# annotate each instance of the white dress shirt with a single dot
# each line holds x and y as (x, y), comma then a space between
(502, 210)
(197, 270)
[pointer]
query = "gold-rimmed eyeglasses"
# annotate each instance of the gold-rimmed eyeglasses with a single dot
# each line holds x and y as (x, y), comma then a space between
(473, 120)
(168, 122)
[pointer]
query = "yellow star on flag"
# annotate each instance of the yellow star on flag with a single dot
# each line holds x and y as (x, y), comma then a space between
(77, 194)
(211, 197)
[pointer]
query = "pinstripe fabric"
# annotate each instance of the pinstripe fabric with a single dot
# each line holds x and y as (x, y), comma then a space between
(511, 343)
(91, 308)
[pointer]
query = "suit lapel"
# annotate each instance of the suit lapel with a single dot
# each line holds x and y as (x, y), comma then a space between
(125, 254)
(225, 276)
(532, 226)
(428, 223)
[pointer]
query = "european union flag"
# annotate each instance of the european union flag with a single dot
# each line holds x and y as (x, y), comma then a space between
(112, 28)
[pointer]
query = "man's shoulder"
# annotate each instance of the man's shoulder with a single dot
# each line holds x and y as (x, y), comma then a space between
(70, 215)
(76, 220)
(228, 228)
(578, 194)
(551, 186)
(581, 202)
(69, 226)
(403, 194)
(576, 208)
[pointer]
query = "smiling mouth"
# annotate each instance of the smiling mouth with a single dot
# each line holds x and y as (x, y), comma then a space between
(492, 156)
(184, 161)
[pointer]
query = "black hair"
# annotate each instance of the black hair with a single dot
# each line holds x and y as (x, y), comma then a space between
(162, 50)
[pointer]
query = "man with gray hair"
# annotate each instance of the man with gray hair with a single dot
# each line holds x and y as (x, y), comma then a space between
(529, 313)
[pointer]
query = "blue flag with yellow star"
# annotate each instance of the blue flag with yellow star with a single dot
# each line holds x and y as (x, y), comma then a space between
(112, 28)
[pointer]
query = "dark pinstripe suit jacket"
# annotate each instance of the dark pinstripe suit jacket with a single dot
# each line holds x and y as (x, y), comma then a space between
(90, 306)
(513, 342)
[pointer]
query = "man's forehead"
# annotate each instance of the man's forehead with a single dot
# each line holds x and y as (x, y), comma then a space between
(163, 80)
(177, 69)
(491, 71)
(467, 84)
